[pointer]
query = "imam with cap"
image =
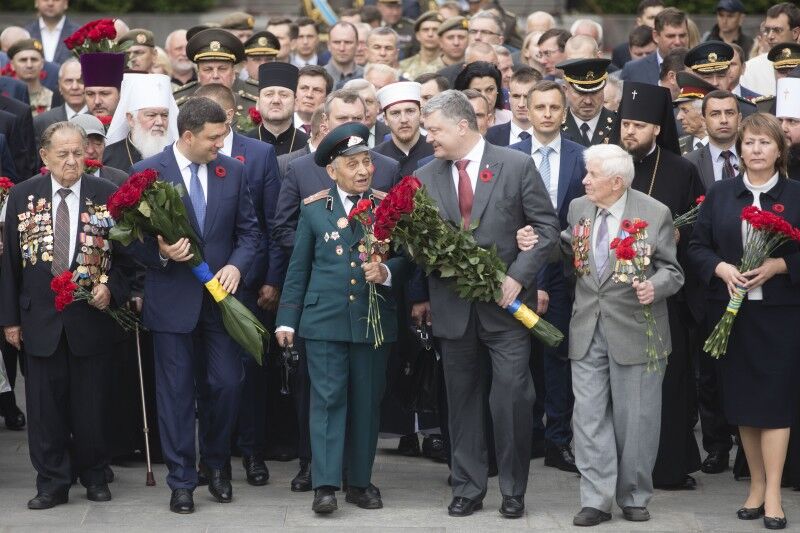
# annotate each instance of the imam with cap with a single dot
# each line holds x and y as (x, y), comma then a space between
(401, 91)
(347, 139)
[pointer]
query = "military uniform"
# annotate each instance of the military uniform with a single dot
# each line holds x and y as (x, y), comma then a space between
(710, 57)
(414, 66)
(589, 76)
(406, 41)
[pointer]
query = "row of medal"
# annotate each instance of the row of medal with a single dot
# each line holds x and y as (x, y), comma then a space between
(36, 232)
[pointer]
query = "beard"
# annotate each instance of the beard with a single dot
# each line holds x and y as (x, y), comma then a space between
(639, 151)
(147, 143)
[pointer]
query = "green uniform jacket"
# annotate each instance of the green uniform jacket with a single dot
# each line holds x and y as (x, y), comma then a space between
(325, 296)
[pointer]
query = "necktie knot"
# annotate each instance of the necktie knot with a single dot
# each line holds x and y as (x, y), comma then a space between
(461, 165)
(64, 193)
(726, 155)
(354, 198)
(524, 135)
(584, 128)
(545, 151)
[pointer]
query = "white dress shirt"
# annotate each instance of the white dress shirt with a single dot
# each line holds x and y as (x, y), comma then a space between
(515, 131)
(186, 173)
(474, 157)
(758, 292)
(227, 144)
(298, 123)
(555, 164)
(73, 204)
(717, 161)
(51, 38)
(613, 222)
(592, 124)
(299, 62)
(71, 113)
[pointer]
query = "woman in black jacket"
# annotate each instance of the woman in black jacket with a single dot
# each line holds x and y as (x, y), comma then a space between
(759, 371)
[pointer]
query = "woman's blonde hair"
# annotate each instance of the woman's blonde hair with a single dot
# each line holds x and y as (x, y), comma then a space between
(765, 124)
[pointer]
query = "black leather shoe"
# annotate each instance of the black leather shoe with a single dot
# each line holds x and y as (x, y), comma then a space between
(48, 500)
(302, 481)
(220, 487)
(15, 420)
(774, 523)
(409, 446)
(204, 472)
(513, 506)
(561, 457)
(716, 463)
(688, 483)
(537, 448)
(98, 493)
(109, 474)
(324, 500)
(750, 513)
(433, 447)
(281, 453)
(461, 506)
(256, 470)
(636, 514)
(181, 501)
(369, 498)
(589, 516)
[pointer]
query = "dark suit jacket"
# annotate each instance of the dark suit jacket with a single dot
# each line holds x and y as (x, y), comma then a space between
(499, 135)
(22, 143)
(25, 295)
(14, 89)
(705, 167)
(173, 296)
(285, 159)
(381, 131)
(451, 72)
(41, 122)
(621, 55)
(7, 167)
(644, 70)
(717, 236)
(114, 175)
(263, 182)
(304, 178)
(62, 52)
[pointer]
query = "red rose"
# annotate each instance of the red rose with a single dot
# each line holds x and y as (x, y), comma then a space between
(62, 300)
(92, 164)
(700, 199)
(239, 158)
(778, 208)
(485, 175)
(5, 183)
(255, 116)
(142, 180)
(220, 171)
(95, 35)
(104, 119)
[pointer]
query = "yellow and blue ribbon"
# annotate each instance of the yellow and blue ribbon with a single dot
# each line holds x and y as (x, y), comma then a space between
(523, 313)
(203, 273)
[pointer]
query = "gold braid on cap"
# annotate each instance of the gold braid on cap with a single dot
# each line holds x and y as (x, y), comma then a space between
(214, 55)
(711, 67)
(786, 63)
(260, 50)
(577, 83)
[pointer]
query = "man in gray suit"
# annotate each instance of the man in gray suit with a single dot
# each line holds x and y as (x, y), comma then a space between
(617, 401)
(491, 191)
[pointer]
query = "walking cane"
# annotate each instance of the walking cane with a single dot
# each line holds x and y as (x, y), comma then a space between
(151, 481)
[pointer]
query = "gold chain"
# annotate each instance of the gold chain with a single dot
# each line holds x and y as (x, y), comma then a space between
(655, 169)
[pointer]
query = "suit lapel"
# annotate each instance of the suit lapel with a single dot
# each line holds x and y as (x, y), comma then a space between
(566, 165)
(707, 166)
(446, 189)
(172, 174)
(215, 185)
(483, 189)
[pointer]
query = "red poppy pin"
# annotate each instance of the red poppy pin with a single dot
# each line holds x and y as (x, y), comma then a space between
(220, 172)
(486, 175)
(239, 158)
(778, 208)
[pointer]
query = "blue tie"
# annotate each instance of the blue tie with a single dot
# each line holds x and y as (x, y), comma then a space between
(544, 166)
(197, 197)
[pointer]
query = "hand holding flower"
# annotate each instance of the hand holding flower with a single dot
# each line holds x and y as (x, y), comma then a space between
(759, 276)
(731, 276)
(511, 289)
(375, 272)
(101, 297)
(177, 252)
(645, 291)
(229, 277)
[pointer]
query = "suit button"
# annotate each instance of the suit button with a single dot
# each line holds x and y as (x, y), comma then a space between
(353, 282)
(352, 297)
(352, 264)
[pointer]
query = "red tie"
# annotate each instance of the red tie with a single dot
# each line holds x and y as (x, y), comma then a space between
(306, 128)
(465, 194)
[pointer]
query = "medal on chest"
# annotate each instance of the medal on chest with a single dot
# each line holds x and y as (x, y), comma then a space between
(94, 254)
(35, 228)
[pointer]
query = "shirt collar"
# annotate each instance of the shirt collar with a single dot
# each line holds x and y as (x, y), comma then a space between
(59, 26)
(227, 144)
(476, 154)
(181, 159)
(555, 144)
(617, 209)
(71, 113)
(592, 123)
(716, 151)
(75, 188)
(343, 195)
(516, 130)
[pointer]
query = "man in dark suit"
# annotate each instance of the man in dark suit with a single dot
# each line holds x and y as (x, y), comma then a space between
(7, 167)
(588, 122)
(22, 142)
(646, 13)
(561, 167)
(670, 31)
(466, 330)
(15, 89)
(66, 352)
(70, 87)
(185, 322)
(261, 284)
(51, 28)
(519, 128)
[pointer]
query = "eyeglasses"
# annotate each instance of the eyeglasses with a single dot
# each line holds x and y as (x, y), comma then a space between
(548, 53)
(777, 30)
(483, 32)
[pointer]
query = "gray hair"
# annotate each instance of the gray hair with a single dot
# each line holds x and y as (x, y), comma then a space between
(453, 106)
(614, 161)
(597, 28)
(491, 16)
(501, 50)
(381, 69)
(358, 84)
(382, 31)
(52, 129)
(66, 63)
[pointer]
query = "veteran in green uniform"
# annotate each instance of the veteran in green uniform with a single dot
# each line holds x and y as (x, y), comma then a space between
(216, 52)
(325, 300)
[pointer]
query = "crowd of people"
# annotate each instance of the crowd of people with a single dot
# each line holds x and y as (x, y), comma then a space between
(545, 143)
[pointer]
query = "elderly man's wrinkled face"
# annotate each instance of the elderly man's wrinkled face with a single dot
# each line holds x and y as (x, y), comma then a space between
(70, 85)
(352, 173)
(149, 129)
(691, 119)
(101, 101)
(601, 189)
(95, 147)
(373, 107)
(64, 156)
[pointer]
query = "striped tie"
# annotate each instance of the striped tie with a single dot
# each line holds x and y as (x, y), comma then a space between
(61, 258)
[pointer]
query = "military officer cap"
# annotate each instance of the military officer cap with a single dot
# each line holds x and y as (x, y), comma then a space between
(194, 30)
(347, 139)
(692, 87)
(215, 44)
(278, 74)
(138, 36)
(652, 104)
(23, 45)
(428, 16)
(586, 75)
(453, 23)
(262, 43)
(238, 21)
(710, 56)
(784, 56)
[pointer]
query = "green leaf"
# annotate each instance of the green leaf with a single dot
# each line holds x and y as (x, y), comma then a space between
(447, 271)
(144, 208)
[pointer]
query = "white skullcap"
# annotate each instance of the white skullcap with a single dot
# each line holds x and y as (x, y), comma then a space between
(401, 91)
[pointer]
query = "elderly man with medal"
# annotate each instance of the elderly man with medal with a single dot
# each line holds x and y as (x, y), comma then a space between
(325, 300)
(58, 223)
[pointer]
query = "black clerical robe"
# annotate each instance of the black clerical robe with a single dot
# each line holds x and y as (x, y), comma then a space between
(290, 140)
(408, 163)
(122, 155)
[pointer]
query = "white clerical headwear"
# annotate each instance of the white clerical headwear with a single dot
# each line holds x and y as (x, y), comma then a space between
(787, 98)
(141, 91)
(401, 91)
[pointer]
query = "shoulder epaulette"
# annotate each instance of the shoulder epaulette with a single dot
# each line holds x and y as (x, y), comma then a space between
(380, 195)
(185, 86)
(764, 98)
(244, 94)
(316, 196)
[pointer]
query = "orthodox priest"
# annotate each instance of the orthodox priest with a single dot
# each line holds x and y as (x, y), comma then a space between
(648, 132)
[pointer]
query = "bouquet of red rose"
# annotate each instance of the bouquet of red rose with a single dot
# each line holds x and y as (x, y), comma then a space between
(410, 217)
(145, 205)
(95, 36)
(765, 232)
(67, 291)
(689, 217)
(370, 250)
(633, 259)
(5, 188)
(91, 165)
(249, 121)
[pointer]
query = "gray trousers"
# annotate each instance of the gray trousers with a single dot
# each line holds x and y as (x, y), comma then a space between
(616, 421)
(510, 402)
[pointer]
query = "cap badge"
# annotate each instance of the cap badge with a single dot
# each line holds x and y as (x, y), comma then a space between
(712, 57)
(37, 45)
(251, 22)
(141, 38)
(262, 41)
(590, 76)
(786, 52)
(214, 46)
(354, 140)
(465, 24)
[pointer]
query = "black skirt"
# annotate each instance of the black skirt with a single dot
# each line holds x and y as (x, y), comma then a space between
(758, 375)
